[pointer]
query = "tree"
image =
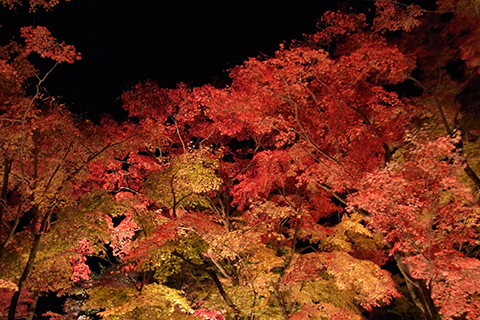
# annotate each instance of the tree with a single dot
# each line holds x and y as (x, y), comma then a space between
(282, 195)
(45, 155)
(422, 207)
(308, 135)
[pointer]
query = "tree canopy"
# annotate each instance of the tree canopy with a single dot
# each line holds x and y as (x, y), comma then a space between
(336, 179)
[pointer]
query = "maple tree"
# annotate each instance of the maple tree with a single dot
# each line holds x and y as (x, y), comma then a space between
(45, 155)
(308, 134)
(280, 196)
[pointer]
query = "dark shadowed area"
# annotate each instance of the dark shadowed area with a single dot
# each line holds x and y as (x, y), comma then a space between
(125, 42)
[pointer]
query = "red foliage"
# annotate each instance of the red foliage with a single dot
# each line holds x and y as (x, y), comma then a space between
(207, 314)
(40, 40)
(422, 207)
(122, 234)
(235, 183)
(45, 4)
(320, 129)
(80, 270)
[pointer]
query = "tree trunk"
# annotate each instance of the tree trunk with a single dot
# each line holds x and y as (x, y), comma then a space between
(33, 306)
(23, 279)
(7, 165)
(418, 290)
(28, 267)
(472, 175)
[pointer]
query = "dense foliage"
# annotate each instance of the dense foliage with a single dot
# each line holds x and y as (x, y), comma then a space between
(337, 179)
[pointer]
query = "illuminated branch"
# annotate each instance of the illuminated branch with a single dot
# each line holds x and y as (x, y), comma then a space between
(214, 277)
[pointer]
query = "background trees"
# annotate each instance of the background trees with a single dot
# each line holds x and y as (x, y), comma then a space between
(286, 194)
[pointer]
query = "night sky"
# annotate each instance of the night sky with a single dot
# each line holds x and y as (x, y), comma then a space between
(125, 42)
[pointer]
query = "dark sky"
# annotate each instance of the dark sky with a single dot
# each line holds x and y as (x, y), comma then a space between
(125, 42)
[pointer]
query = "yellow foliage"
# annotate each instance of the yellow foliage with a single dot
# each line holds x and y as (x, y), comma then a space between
(363, 277)
(273, 210)
(7, 284)
(324, 290)
(122, 302)
(262, 302)
(351, 231)
(338, 278)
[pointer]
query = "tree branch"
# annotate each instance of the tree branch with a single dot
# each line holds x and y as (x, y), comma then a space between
(279, 300)
(214, 277)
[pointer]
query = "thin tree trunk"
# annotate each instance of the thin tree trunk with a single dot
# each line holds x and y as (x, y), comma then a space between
(23, 279)
(7, 165)
(418, 290)
(472, 175)
(215, 279)
(33, 306)
(224, 295)
(279, 300)
(37, 235)
(28, 267)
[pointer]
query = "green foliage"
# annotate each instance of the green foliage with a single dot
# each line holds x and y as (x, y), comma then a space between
(101, 202)
(185, 179)
(125, 302)
(163, 263)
